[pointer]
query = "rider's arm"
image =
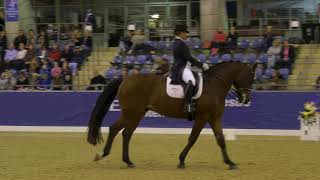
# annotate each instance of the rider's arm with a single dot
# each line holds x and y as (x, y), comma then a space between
(187, 55)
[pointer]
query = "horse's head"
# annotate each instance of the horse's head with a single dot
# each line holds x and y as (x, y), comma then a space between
(244, 81)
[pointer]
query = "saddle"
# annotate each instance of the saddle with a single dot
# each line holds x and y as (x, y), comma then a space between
(176, 90)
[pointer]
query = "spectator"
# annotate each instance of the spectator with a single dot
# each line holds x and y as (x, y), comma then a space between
(68, 82)
(20, 63)
(232, 38)
(318, 83)
(76, 60)
(126, 43)
(3, 82)
(218, 42)
(21, 38)
(3, 44)
(137, 42)
(2, 21)
(10, 55)
(97, 82)
(286, 56)
(57, 83)
(66, 53)
(42, 53)
(43, 40)
(65, 69)
(274, 53)
(89, 20)
(30, 56)
(12, 80)
(268, 38)
(54, 54)
(87, 43)
(56, 71)
(31, 38)
(22, 81)
(44, 70)
(33, 80)
(44, 82)
(76, 38)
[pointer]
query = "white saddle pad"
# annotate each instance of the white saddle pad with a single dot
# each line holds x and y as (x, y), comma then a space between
(176, 91)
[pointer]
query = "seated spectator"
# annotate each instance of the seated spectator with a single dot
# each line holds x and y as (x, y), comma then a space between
(56, 70)
(97, 82)
(57, 83)
(232, 38)
(65, 69)
(87, 43)
(33, 80)
(42, 53)
(3, 81)
(21, 38)
(66, 53)
(318, 83)
(31, 38)
(11, 80)
(137, 42)
(218, 42)
(44, 82)
(268, 38)
(44, 70)
(67, 82)
(76, 60)
(43, 40)
(274, 53)
(22, 81)
(125, 43)
(20, 63)
(286, 56)
(54, 53)
(10, 55)
(3, 44)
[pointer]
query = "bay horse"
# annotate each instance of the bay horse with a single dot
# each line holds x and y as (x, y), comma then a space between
(142, 92)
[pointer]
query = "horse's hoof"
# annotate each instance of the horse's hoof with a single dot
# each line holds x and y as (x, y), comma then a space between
(181, 166)
(131, 166)
(97, 157)
(233, 167)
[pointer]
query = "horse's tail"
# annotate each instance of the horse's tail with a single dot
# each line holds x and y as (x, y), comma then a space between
(101, 108)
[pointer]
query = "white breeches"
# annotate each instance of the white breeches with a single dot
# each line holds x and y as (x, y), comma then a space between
(188, 76)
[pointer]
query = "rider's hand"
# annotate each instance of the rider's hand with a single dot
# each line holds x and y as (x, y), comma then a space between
(205, 67)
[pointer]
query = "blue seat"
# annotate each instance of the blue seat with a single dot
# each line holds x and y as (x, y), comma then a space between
(244, 44)
(238, 57)
(256, 44)
(141, 59)
(214, 59)
(258, 73)
(251, 58)
(263, 58)
(226, 57)
(268, 73)
(161, 45)
(284, 73)
(144, 71)
(201, 57)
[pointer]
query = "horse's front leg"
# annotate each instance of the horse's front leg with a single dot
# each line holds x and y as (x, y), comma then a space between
(196, 129)
(217, 129)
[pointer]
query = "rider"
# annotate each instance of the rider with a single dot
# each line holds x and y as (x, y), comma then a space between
(181, 69)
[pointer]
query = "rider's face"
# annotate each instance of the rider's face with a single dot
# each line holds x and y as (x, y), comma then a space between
(183, 35)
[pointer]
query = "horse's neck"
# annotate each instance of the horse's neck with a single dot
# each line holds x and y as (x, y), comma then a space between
(224, 76)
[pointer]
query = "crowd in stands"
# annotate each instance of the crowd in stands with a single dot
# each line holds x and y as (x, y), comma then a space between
(40, 61)
(275, 55)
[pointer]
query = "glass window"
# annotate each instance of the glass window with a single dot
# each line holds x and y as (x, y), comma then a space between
(45, 14)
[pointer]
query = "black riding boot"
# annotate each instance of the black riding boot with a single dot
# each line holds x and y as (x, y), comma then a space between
(189, 105)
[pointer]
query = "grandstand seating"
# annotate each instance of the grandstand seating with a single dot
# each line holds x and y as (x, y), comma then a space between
(106, 59)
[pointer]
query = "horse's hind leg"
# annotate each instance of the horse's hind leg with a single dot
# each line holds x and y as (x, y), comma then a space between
(196, 129)
(131, 124)
(113, 131)
(217, 129)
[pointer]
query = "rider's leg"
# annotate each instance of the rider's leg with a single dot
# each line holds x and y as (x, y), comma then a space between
(188, 78)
